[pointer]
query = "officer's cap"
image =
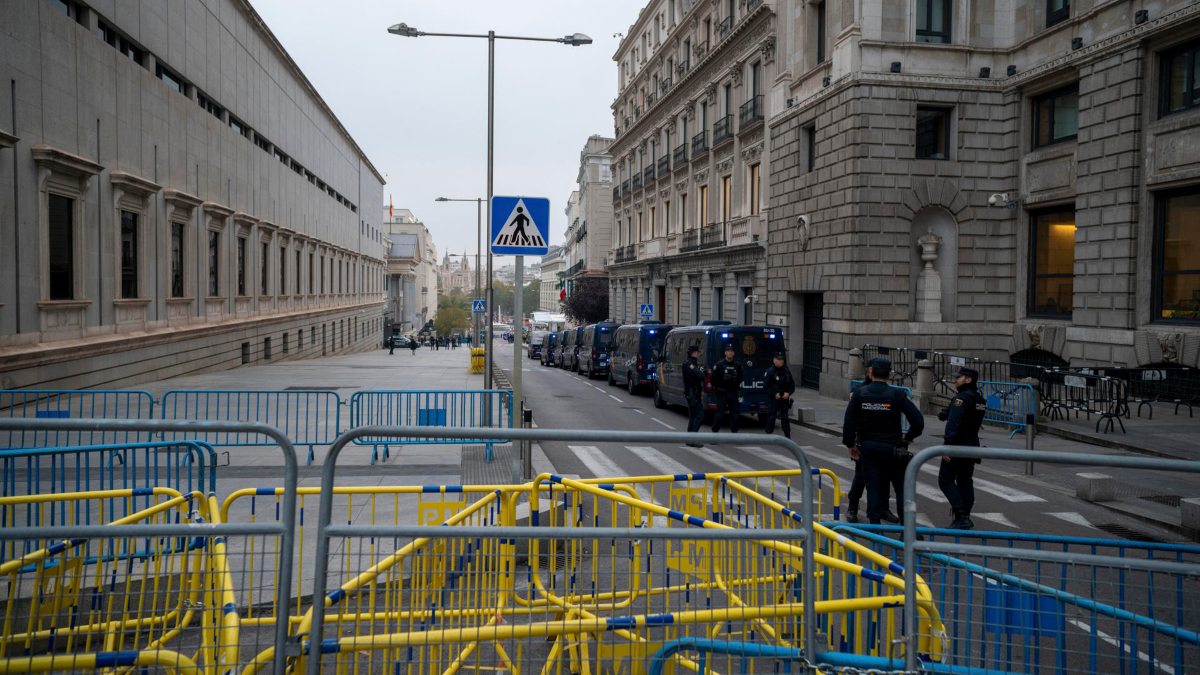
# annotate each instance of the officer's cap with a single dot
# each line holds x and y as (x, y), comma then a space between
(779, 355)
(969, 372)
(880, 363)
(694, 349)
(730, 348)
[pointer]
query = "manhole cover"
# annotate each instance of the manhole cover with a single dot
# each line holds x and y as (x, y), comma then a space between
(1168, 500)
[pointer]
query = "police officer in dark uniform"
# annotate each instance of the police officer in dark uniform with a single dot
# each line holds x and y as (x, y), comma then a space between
(726, 382)
(872, 432)
(693, 391)
(780, 387)
(963, 418)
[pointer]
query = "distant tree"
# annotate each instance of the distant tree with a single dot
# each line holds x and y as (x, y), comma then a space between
(451, 319)
(502, 297)
(588, 302)
(532, 297)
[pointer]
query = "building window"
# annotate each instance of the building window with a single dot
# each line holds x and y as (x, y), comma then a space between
(129, 255)
(702, 206)
(177, 260)
(296, 274)
(1177, 247)
(695, 305)
(933, 21)
(61, 219)
(1181, 79)
(726, 195)
(933, 133)
(210, 105)
(683, 212)
(820, 31)
(1057, 11)
(1052, 263)
(214, 264)
(283, 270)
(171, 79)
(1056, 116)
(755, 189)
(241, 266)
(810, 143)
(264, 270)
(239, 127)
(718, 303)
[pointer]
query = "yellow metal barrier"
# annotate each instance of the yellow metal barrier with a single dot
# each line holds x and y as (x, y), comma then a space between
(119, 602)
(477, 361)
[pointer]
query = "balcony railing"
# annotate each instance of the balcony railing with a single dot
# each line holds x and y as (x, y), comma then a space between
(637, 182)
(701, 49)
(664, 165)
(650, 99)
(625, 254)
(690, 241)
(723, 129)
(751, 112)
(648, 174)
(680, 154)
(665, 84)
(617, 193)
(683, 67)
(752, 5)
(725, 26)
(575, 269)
(625, 187)
(712, 235)
(699, 144)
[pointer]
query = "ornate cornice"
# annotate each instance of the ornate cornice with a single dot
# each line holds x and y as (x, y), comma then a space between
(180, 205)
(7, 140)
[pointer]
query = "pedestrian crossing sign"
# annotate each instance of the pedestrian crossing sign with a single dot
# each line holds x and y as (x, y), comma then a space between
(646, 309)
(479, 306)
(520, 225)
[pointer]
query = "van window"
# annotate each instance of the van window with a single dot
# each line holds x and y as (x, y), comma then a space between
(754, 346)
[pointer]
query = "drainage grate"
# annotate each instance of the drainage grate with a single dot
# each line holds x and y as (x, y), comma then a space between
(1168, 500)
(1127, 533)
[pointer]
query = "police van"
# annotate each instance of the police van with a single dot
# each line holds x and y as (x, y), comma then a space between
(549, 344)
(593, 348)
(635, 353)
(754, 347)
(565, 349)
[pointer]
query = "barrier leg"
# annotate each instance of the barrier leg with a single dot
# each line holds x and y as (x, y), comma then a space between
(1030, 430)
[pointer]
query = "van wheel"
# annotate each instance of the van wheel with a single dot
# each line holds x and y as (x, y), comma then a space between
(659, 401)
(631, 384)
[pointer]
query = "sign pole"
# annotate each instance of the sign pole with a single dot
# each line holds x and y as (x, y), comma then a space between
(518, 332)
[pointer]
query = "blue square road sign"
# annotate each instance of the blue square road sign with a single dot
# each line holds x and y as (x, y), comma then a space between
(520, 225)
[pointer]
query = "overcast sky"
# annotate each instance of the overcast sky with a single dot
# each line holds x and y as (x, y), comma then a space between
(418, 106)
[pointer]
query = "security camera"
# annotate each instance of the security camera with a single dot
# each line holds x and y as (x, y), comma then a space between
(998, 199)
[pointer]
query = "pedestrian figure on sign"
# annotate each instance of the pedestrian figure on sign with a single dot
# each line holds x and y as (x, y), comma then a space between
(872, 431)
(780, 387)
(693, 391)
(727, 382)
(963, 417)
(518, 237)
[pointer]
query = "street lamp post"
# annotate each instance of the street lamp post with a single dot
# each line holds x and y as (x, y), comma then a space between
(574, 40)
(487, 375)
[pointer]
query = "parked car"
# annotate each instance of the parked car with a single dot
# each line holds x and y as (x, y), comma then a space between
(549, 344)
(754, 345)
(594, 347)
(635, 353)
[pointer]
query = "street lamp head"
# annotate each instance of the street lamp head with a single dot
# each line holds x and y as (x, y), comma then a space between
(576, 40)
(441, 199)
(404, 30)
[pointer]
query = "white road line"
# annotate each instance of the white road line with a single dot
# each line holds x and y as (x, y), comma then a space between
(597, 462)
(597, 388)
(1004, 492)
(814, 432)
(923, 520)
(638, 411)
(720, 460)
(1122, 645)
(615, 398)
(997, 518)
(663, 423)
(661, 462)
(1073, 518)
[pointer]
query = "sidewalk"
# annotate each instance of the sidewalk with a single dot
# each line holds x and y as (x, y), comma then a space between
(1148, 496)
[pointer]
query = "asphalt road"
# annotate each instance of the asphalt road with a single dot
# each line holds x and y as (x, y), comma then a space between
(1006, 499)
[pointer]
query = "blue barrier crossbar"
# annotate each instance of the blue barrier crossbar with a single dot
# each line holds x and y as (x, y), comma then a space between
(68, 404)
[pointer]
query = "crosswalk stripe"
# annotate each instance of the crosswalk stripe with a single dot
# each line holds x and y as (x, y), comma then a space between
(1004, 492)
(661, 462)
(1073, 518)
(996, 518)
(722, 462)
(596, 461)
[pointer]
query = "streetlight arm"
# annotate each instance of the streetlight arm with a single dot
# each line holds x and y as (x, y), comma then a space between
(404, 30)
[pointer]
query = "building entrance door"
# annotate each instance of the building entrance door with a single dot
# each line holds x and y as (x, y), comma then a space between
(814, 341)
(660, 307)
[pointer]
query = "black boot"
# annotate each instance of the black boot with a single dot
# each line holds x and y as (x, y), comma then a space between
(962, 520)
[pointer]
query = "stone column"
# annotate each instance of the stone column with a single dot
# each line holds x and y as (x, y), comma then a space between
(923, 391)
(857, 370)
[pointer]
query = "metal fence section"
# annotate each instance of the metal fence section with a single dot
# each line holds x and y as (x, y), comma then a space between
(1065, 392)
(1009, 404)
(1176, 387)
(152, 584)
(184, 466)
(480, 409)
(72, 404)
(309, 418)
(1018, 603)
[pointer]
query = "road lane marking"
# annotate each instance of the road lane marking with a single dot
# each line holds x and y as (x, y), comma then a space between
(997, 518)
(926, 491)
(615, 398)
(814, 432)
(638, 411)
(660, 460)
(663, 423)
(1122, 645)
(1073, 518)
(720, 460)
(1004, 492)
(597, 462)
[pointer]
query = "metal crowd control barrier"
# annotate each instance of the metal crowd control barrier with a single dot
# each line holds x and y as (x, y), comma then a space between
(486, 409)
(180, 465)
(308, 417)
(1081, 607)
(1177, 386)
(1009, 404)
(71, 404)
(1063, 392)
(134, 591)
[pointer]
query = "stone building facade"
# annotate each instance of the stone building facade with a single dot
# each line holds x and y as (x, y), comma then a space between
(412, 272)
(554, 270)
(178, 198)
(590, 214)
(1016, 181)
(692, 161)
(456, 275)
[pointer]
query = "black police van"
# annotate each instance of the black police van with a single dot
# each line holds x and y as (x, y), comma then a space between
(566, 346)
(635, 354)
(593, 348)
(549, 344)
(754, 348)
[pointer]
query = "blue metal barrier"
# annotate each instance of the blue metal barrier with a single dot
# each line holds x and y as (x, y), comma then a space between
(184, 466)
(308, 418)
(1021, 615)
(69, 403)
(1009, 404)
(482, 408)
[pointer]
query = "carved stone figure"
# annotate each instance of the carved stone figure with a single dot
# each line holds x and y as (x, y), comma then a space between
(1034, 333)
(1171, 345)
(804, 231)
(929, 284)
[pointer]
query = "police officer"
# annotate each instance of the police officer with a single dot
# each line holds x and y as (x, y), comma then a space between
(780, 387)
(693, 391)
(726, 381)
(872, 432)
(963, 418)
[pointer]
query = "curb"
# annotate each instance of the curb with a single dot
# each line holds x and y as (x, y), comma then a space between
(1104, 442)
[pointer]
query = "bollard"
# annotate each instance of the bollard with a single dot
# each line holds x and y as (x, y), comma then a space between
(856, 369)
(1030, 430)
(923, 391)
(527, 448)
